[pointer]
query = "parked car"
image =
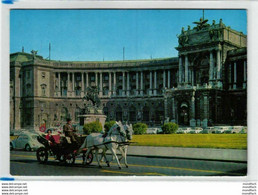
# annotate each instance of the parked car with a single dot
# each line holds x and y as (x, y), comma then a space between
(26, 140)
(152, 130)
(198, 129)
(221, 129)
(237, 129)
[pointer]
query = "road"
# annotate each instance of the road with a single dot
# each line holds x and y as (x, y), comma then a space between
(25, 164)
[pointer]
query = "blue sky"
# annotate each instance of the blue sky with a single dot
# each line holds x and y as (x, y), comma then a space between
(91, 35)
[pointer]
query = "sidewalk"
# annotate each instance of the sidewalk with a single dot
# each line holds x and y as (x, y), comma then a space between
(190, 153)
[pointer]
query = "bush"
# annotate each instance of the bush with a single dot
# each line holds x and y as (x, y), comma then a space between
(192, 132)
(140, 128)
(169, 128)
(108, 125)
(92, 127)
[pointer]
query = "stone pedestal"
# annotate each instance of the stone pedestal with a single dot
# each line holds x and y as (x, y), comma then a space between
(192, 123)
(88, 118)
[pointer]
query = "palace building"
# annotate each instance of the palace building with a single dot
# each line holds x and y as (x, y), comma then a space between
(206, 84)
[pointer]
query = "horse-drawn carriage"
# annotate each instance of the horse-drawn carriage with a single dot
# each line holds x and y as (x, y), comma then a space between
(62, 150)
(117, 138)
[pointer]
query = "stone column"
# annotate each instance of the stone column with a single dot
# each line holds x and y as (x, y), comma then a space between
(59, 84)
(229, 76)
(193, 121)
(245, 75)
(235, 75)
(168, 79)
(155, 82)
(96, 79)
(186, 69)
(150, 92)
(109, 84)
(114, 87)
(82, 90)
(173, 110)
(218, 65)
(141, 83)
(180, 69)
(193, 77)
(73, 91)
(123, 92)
(211, 67)
(164, 79)
(87, 80)
(100, 85)
(68, 84)
(205, 111)
(137, 83)
(128, 84)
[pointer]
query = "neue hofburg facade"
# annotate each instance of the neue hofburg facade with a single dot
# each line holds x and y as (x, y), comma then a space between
(205, 85)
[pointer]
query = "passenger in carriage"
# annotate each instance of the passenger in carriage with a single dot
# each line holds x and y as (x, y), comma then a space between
(50, 138)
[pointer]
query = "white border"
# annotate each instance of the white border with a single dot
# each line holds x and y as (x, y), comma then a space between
(252, 8)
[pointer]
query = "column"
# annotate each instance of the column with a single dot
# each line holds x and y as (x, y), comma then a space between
(193, 121)
(73, 92)
(218, 65)
(229, 76)
(205, 111)
(150, 92)
(82, 90)
(68, 84)
(137, 83)
(168, 79)
(164, 79)
(155, 82)
(141, 83)
(59, 84)
(128, 84)
(245, 75)
(235, 75)
(211, 67)
(101, 85)
(123, 92)
(186, 69)
(96, 79)
(180, 69)
(109, 84)
(87, 80)
(173, 110)
(193, 77)
(114, 86)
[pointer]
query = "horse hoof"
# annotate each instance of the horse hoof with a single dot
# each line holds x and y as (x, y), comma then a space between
(120, 168)
(126, 166)
(108, 165)
(100, 167)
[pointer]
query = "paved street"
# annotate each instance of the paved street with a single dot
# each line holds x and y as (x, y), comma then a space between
(25, 164)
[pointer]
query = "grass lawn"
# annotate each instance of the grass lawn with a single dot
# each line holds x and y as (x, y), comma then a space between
(234, 141)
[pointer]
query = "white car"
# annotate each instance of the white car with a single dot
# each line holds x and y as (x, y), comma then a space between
(27, 141)
(152, 130)
(221, 129)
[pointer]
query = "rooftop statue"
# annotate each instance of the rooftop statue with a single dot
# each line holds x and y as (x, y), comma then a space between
(201, 24)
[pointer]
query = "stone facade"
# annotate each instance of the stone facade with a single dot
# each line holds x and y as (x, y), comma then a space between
(205, 85)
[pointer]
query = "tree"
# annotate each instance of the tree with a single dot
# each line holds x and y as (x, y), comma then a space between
(108, 125)
(92, 127)
(169, 128)
(140, 128)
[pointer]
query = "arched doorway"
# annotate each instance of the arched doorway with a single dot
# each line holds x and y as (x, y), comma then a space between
(64, 114)
(183, 114)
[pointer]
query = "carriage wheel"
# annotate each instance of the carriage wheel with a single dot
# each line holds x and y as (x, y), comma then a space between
(89, 158)
(68, 159)
(42, 155)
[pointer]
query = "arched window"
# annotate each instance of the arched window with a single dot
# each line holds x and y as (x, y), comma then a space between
(119, 113)
(64, 114)
(132, 114)
(146, 114)
(77, 113)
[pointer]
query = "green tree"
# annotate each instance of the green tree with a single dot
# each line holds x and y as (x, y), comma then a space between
(169, 128)
(92, 127)
(140, 128)
(108, 125)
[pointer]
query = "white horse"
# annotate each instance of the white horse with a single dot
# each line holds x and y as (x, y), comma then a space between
(95, 141)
